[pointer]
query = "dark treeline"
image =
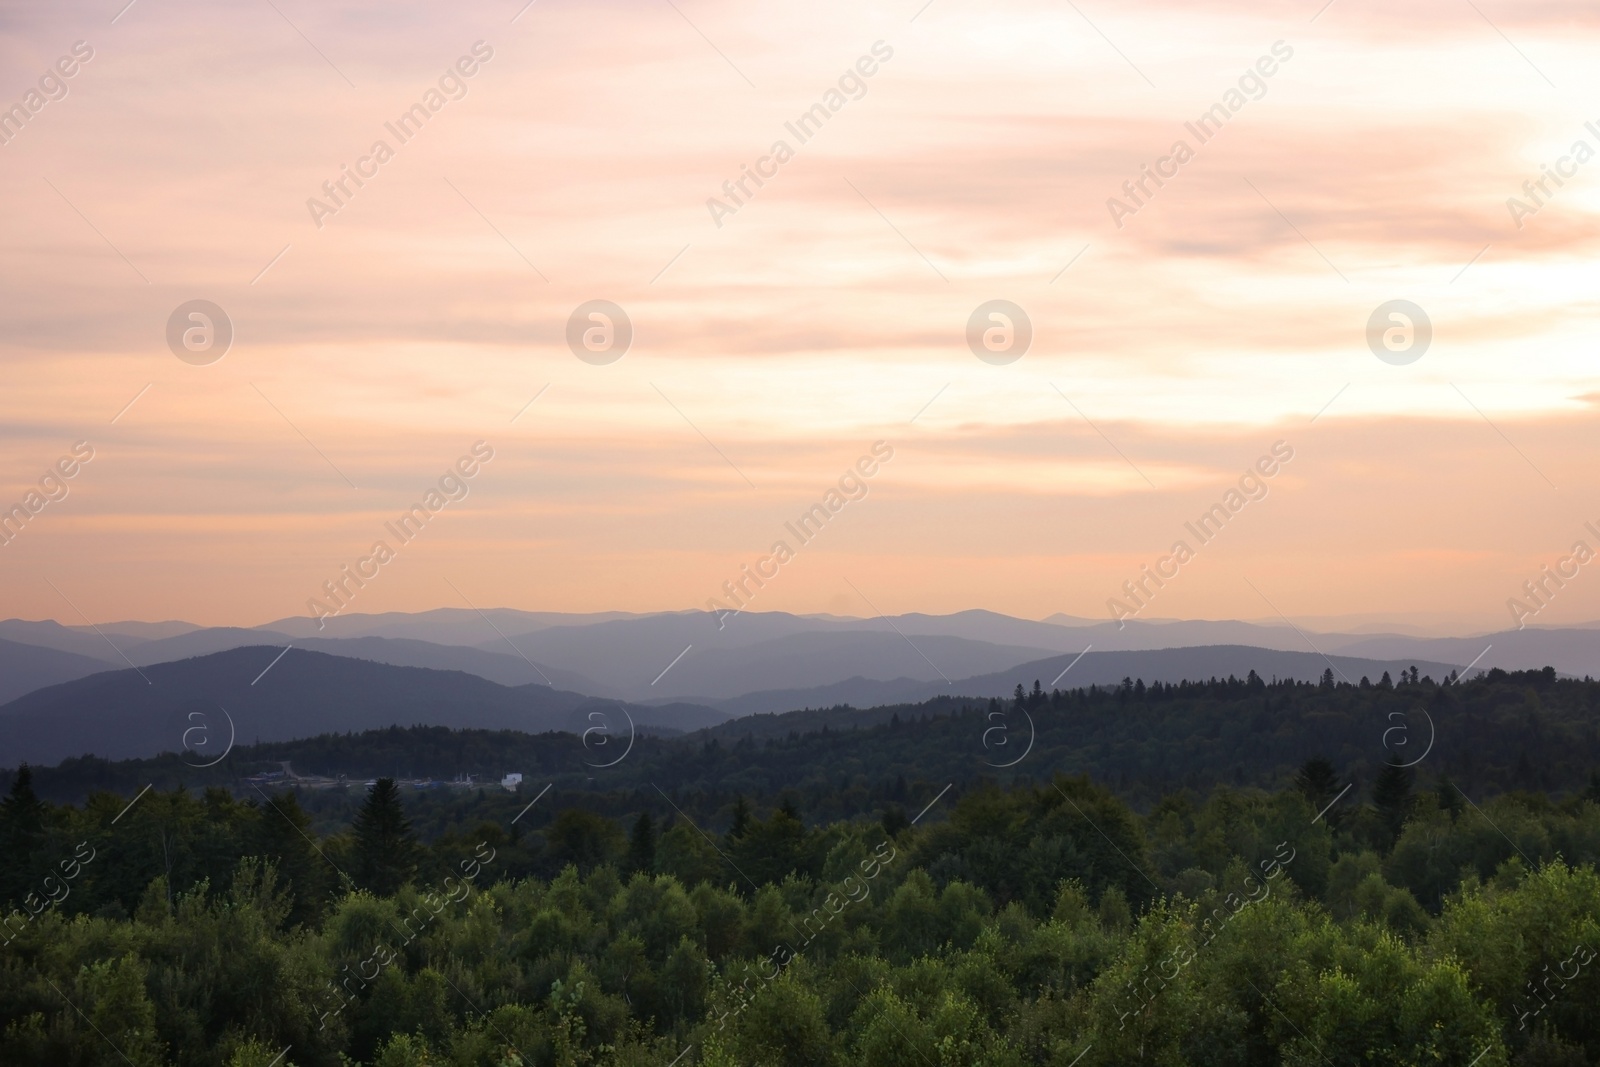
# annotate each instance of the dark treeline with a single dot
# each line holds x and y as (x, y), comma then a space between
(1403, 922)
(1502, 732)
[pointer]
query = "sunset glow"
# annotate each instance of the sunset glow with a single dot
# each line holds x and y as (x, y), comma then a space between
(380, 329)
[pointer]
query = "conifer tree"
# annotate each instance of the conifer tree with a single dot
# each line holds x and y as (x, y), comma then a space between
(21, 812)
(894, 820)
(1593, 792)
(1318, 782)
(1448, 795)
(642, 845)
(1391, 795)
(286, 839)
(741, 817)
(386, 848)
(21, 836)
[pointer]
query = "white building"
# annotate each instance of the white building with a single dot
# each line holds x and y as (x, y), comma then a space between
(510, 782)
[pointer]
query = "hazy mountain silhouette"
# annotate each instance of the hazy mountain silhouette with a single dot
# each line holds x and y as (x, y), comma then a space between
(127, 713)
(24, 668)
(776, 661)
(445, 626)
(504, 667)
(1094, 668)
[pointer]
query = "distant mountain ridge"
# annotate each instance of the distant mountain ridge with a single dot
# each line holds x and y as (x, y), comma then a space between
(753, 663)
(272, 694)
(202, 702)
(504, 667)
(1094, 668)
(1490, 738)
(24, 668)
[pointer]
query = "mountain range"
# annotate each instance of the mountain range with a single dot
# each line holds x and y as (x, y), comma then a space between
(133, 689)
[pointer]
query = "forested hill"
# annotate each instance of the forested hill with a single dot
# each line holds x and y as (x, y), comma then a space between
(143, 711)
(1041, 925)
(1502, 732)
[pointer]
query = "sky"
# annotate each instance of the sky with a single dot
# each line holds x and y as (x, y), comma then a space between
(1178, 335)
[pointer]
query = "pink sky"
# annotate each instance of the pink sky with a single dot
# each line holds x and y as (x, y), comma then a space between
(770, 352)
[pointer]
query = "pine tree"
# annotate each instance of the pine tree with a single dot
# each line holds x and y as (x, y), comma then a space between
(1391, 795)
(774, 847)
(386, 848)
(1522, 776)
(741, 817)
(21, 812)
(894, 820)
(1593, 792)
(285, 838)
(1448, 795)
(21, 836)
(642, 845)
(1318, 782)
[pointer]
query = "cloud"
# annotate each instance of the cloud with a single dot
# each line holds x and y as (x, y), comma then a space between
(825, 314)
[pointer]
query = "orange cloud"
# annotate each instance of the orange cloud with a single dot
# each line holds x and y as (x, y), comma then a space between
(828, 312)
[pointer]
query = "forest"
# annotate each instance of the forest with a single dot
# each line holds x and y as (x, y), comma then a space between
(1524, 730)
(1427, 914)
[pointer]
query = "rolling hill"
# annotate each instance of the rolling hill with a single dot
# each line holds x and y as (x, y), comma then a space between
(1095, 668)
(204, 701)
(763, 662)
(24, 668)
